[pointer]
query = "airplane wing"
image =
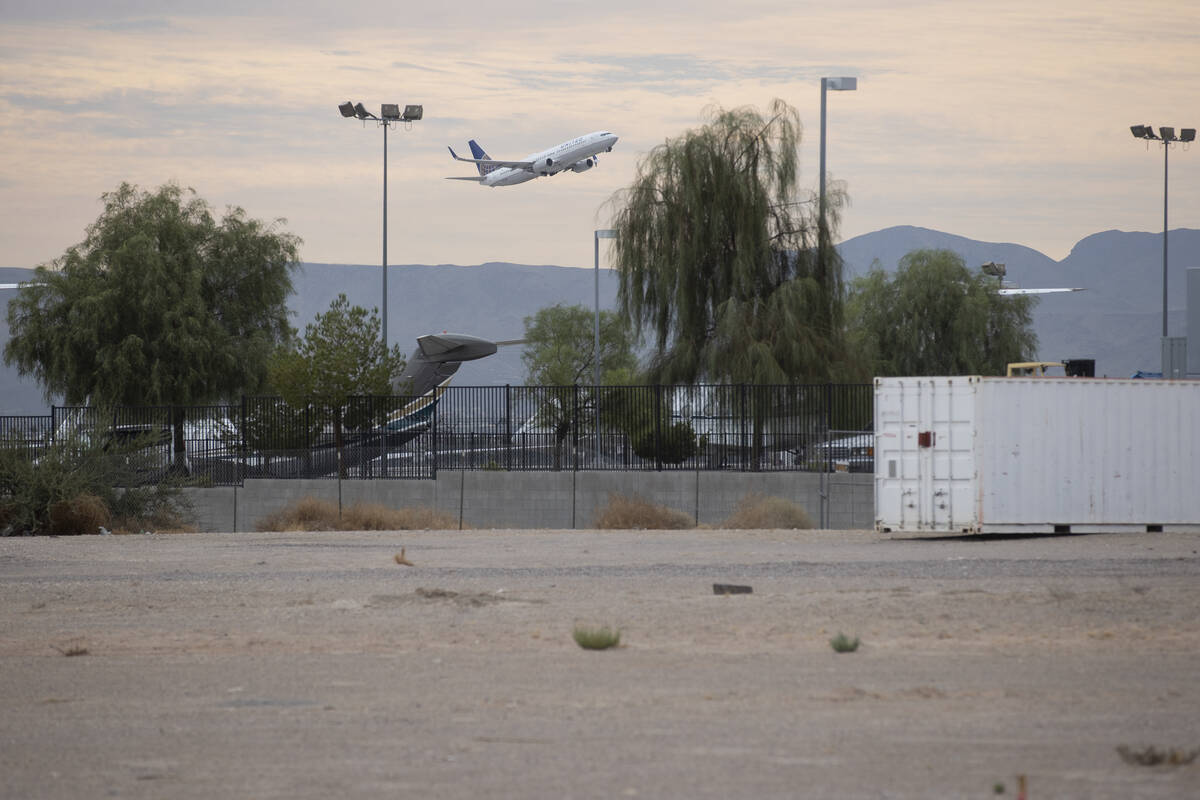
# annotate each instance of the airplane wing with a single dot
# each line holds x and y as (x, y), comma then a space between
(10, 286)
(477, 179)
(491, 162)
(1039, 291)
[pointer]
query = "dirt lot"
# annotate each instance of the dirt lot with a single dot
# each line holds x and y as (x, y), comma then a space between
(313, 665)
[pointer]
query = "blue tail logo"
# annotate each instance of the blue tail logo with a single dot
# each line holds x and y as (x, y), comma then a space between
(477, 152)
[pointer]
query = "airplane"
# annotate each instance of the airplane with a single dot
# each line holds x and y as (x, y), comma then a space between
(1007, 288)
(577, 155)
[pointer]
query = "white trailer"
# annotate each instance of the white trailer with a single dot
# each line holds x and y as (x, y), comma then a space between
(1035, 455)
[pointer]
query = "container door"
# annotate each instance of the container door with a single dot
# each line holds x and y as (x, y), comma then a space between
(925, 469)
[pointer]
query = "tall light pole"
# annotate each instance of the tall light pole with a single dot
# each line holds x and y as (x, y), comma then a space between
(389, 115)
(836, 85)
(1186, 136)
(604, 233)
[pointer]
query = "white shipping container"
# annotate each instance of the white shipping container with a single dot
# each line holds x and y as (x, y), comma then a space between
(1035, 455)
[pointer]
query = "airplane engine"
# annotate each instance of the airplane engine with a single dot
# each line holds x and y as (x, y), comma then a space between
(583, 166)
(547, 168)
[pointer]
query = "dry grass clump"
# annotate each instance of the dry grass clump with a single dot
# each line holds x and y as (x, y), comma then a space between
(760, 512)
(306, 514)
(83, 513)
(638, 513)
(376, 517)
(311, 514)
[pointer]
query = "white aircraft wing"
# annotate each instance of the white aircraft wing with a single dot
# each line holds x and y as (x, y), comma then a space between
(491, 162)
(1039, 291)
(10, 286)
(478, 179)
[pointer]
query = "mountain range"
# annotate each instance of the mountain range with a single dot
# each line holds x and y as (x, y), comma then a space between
(1117, 321)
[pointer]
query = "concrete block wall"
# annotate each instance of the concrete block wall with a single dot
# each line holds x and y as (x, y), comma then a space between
(552, 500)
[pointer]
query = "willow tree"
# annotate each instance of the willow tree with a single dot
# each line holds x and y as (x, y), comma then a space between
(934, 316)
(161, 304)
(718, 258)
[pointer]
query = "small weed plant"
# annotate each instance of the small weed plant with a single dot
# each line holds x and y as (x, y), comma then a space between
(596, 638)
(843, 643)
(1154, 757)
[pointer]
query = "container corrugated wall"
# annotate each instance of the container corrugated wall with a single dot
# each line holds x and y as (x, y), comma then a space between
(972, 454)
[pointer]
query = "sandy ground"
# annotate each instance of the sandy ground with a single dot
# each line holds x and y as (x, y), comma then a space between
(314, 666)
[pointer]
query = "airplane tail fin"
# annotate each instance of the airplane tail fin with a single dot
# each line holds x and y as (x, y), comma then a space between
(477, 152)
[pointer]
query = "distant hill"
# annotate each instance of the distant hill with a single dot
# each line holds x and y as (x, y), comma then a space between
(1116, 322)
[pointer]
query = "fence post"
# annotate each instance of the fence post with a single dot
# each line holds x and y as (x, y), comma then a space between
(243, 446)
(658, 427)
(742, 430)
(507, 428)
(574, 429)
(436, 413)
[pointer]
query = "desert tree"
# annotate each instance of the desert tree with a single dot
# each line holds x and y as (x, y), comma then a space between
(934, 316)
(161, 304)
(340, 358)
(559, 355)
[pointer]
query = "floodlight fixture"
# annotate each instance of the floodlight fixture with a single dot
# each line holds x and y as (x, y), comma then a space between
(841, 84)
(994, 269)
(1166, 135)
(389, 115)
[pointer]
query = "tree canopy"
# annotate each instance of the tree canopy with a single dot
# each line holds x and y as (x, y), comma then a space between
(560, 343)
(161, 304)
(559, 353)
(936, 317)
(718, 255)
(340, 356)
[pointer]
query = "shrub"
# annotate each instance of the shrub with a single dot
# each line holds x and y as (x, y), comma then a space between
(84, 513)
(375, 517)
(676, 444)
(637, 513)
(311, 514)
(756, 511)
(62, 487)
(596, 638)
(843, 643)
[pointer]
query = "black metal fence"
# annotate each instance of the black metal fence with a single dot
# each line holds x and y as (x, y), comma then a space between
(715, 427)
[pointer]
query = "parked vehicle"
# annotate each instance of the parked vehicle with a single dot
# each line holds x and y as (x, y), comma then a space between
(854, 453)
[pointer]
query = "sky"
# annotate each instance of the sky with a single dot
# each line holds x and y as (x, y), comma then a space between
(1002, 122)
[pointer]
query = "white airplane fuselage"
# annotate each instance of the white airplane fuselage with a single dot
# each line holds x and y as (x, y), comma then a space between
(577, 155)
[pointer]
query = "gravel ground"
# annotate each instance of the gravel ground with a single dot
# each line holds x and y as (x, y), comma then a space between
(313, 665)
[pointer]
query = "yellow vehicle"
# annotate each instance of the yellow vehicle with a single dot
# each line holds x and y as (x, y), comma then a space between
(1035, 369)
(1070, 368)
